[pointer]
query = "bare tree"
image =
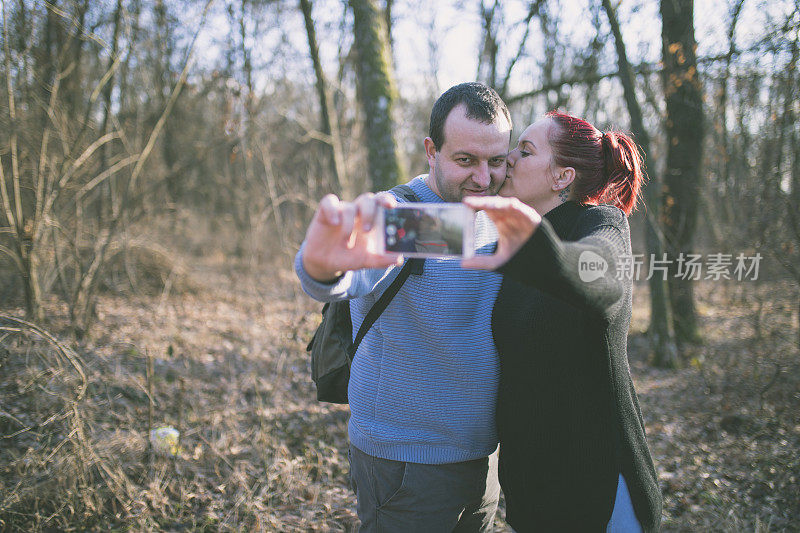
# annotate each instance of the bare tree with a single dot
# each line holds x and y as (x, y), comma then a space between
(48, 184)
(683, 176)
(661, 328)
(329, 123)
(487, 59)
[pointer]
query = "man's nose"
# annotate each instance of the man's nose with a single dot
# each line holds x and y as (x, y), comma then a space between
(482, 176)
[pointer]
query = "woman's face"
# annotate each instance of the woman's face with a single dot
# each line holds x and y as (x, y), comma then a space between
(530, 175)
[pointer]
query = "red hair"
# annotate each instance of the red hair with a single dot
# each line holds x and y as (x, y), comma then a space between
(608, 166)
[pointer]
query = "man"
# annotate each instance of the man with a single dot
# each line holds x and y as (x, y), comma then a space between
(424, 380)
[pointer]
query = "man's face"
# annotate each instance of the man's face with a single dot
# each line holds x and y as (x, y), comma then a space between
(472, 158)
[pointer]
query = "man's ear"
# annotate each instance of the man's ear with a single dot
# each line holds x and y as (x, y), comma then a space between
(564, 178)
(430, 151)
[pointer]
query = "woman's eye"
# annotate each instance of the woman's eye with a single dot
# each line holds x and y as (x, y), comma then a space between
(523, 153)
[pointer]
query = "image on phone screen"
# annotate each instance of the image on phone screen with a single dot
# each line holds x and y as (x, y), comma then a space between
(428, 230)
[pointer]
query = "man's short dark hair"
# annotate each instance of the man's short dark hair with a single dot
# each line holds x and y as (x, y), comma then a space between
(482, 102)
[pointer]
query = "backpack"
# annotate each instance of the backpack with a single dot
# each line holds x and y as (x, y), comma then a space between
(332, 347)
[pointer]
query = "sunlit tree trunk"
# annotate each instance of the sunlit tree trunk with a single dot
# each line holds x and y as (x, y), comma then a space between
(387, 17)
(377, 94)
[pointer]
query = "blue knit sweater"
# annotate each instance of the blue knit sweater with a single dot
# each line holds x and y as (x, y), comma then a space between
(423, 384)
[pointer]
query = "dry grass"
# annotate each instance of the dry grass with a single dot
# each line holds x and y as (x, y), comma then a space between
(725, 431)
(255, 453)
(259, 453)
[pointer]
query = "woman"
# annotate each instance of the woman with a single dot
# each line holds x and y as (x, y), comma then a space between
(573, 453)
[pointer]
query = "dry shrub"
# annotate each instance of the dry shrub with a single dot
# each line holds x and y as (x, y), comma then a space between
(145, 268)
(10, 286)
(49, 469)
(750, 353)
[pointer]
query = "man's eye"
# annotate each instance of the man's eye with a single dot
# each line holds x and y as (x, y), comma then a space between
(464, 160)
(497, 162)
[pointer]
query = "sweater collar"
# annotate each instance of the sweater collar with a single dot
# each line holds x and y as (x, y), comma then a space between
(562, 217)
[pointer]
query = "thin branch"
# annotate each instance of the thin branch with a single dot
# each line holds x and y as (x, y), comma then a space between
(641, 69)
(91, 149)
(38, 212)
(14, 256)
(12, 113)
(65, 351)
(105, 175)
(168, 109)
(535, 6)
(106, 78)
(87, 153)
(9, 213)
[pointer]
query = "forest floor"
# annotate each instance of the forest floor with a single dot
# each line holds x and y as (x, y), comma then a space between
(257, 452)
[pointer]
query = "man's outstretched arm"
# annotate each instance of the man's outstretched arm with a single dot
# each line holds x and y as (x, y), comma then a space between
(339, 258)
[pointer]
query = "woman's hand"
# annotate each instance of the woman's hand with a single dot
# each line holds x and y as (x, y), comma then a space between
(515, 223)
(341, 237)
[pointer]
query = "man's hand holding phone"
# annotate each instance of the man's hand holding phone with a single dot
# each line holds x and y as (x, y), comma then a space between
(342, 236)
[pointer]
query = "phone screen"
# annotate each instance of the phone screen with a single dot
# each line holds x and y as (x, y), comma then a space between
(428, 230)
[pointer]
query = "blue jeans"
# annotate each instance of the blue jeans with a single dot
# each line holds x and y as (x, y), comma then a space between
(623, 519)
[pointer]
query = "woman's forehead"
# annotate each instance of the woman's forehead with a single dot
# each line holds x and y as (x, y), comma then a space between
(537, 132)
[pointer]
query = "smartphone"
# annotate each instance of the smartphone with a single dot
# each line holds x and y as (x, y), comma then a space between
(428, 230)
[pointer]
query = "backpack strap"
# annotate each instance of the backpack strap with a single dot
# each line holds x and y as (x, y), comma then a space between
(377, 309)
(411, 266)
(406, 192)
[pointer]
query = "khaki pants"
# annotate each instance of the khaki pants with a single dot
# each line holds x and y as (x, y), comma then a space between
(396, 496)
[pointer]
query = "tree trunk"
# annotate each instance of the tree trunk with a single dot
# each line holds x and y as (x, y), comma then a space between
(387, 17)
(487, 60)
(377, 94)
(163, 85)
(722, 105)
(30, 284)
(683, 174)
(105, 202)
(661, 328)
(328, 119)
(18, 223)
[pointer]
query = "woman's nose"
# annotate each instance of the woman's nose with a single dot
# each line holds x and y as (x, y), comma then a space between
(511, 159)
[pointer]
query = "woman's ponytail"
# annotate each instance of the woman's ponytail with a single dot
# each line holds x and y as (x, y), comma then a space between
(608, 166)
(622, 165)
